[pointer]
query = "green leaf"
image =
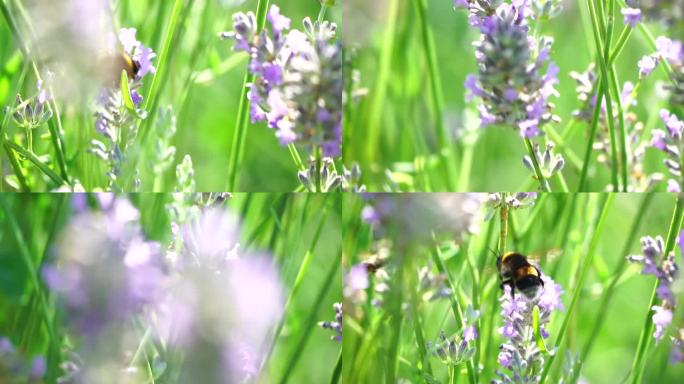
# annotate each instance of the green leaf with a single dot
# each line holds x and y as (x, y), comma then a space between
(537, 332)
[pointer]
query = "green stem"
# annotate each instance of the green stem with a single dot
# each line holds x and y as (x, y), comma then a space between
(577, 289)
(311, 320)
(503, 233)
(543, 183)
(162, 63)
(638, 365)
(622, 40)
(592, 137)
(32, 158)
(303, 268)
(240, 136)
(443, 140)
(608, 293)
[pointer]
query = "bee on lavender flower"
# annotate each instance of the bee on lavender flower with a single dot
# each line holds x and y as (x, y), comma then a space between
(109, 67)
(517, 272)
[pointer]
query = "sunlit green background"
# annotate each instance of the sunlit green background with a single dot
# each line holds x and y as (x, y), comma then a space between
(616, 342)
(406, 116)
(284, 225)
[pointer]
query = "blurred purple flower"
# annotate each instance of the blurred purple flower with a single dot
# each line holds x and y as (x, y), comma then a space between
(666, 270)
(335, 325)
(105, 271)
(632, 16)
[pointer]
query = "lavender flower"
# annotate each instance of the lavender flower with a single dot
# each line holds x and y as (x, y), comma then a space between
(328, 180)
(519, 200)
(336, 325)
(222, 306)
(632, 16)
(298, 85)
(106, 271)
(14, 368)
(114, 121)
(670, 142)
(671, 51)
(549, 162)
(666, 12)
(460, 347)
(32, 113)
(510, 81)
(432, 286)
(351, 179)
(666, 270)
(677, 352)
(519, 355)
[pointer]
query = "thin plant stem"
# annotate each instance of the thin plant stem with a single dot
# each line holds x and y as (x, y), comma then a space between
(39, 164)
(638, 365)
(241, 123)
(377, 97)
(592, 137)
(543, 183)
(620, 45)
(443, 141)
(583, 272)
(303, 268)
(608, 293)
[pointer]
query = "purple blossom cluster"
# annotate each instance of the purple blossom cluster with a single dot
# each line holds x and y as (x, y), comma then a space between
(15, 369)
(511, 81)
(298, 78)
(114, 121)
(666, 49)
(666, 270)
(666, 12)
(225, 337)
(335, 325)
(460, 347)
(519, 355)
(106, 271)
(670, 142)
(518, 200)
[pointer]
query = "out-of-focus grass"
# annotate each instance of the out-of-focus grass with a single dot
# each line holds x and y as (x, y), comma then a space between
(405, 130)
(201, 78)
(597, 236)
(283, 224)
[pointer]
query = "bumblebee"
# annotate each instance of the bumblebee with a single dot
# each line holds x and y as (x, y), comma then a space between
(518, 273)
(374, 263)
(109, 67)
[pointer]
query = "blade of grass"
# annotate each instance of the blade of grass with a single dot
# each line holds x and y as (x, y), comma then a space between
(240, 135)
(39, 164)
(379, 90)
(443, 140)
(638, 365)
(162, 63)
(310, 323)
(577, 289)
(303, 268)
(455, 307)
(608, 293)
(338, 370)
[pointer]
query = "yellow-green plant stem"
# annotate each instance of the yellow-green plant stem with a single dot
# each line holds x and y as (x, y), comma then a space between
(543, 183)
(240, 136)
(443, 140)
(585, 266)
(638, 365)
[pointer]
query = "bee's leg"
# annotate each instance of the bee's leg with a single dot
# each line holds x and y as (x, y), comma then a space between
(510, 283)
(539, 274)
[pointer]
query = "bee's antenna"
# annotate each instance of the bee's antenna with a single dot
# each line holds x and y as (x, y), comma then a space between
(496, 254)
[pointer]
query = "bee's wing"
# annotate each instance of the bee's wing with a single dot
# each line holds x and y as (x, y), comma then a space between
(70, 36)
